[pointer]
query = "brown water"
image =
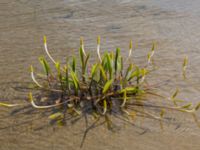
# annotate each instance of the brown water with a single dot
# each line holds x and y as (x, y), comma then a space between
(174, 25)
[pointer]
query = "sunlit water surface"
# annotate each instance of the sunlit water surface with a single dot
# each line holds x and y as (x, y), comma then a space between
(173, 24)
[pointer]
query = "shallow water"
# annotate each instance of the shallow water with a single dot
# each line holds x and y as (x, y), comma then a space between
(174, 25)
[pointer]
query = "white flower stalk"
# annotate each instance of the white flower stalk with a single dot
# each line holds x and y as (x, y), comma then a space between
(77, 112)
(9, 105)
(104, 107)
(143, 72)
(130, 50)
(46, 49)
(82, 45)
(98, 48)
(185, 63)
(143, 78)
(150, 55)
(33, 78)
(43, 107)
(124, 99)
(125, 111)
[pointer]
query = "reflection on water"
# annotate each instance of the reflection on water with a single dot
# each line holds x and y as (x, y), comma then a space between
(174, 25)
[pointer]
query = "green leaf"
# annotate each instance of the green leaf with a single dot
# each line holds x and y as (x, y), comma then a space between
(117, 56)
(131, 89)
(103, 73)
(85, 63)
(128, 72)
(74, 64)
(144, 71)
(45, 65)
(128, 89)
(109, 65)
(57, 115)
(162, 113)
(75, 80)
(66, 76)
(81, 55)
(175, 94)
(185, 61)
(57, 64)
(135, 73)
(153, 47)
(187, 106)
(94, 70)
(197, 107)
(107, 86)
(121, 64)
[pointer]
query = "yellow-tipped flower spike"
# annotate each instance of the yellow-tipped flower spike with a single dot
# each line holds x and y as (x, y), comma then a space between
(82, 45)
(98, 48)
(30, 97)
(131, 44)
(31, 68)
(150, 54)
(130, 48)
(185, 63)
(46, 49)
(45, 39)
(98, 40)
(81, 41)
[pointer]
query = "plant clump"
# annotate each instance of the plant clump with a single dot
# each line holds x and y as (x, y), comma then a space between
(112, 84)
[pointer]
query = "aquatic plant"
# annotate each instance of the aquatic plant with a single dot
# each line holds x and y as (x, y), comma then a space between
(113, 84)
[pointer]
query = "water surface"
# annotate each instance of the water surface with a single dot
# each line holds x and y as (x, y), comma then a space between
(174, 25)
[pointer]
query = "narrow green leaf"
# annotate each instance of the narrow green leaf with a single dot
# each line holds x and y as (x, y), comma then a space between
(58, 68)
(162, 113)
(45, 65)
(129, 69)
(66, 77)
(93, 70)
(107, 86)
(57, 115)
(197, 106)
(103, 73)
(75, 80)
(153, 47)
(74, 64)
(135, 73)
(144, 71)
(185, 61)
(82, 57)
(86, 61)
(175, 94)
(187, 106)
(119, 64)
(117, 54)
(109, 65)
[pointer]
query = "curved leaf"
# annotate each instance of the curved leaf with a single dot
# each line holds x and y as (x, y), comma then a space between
(107, 86)
(45, 65)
